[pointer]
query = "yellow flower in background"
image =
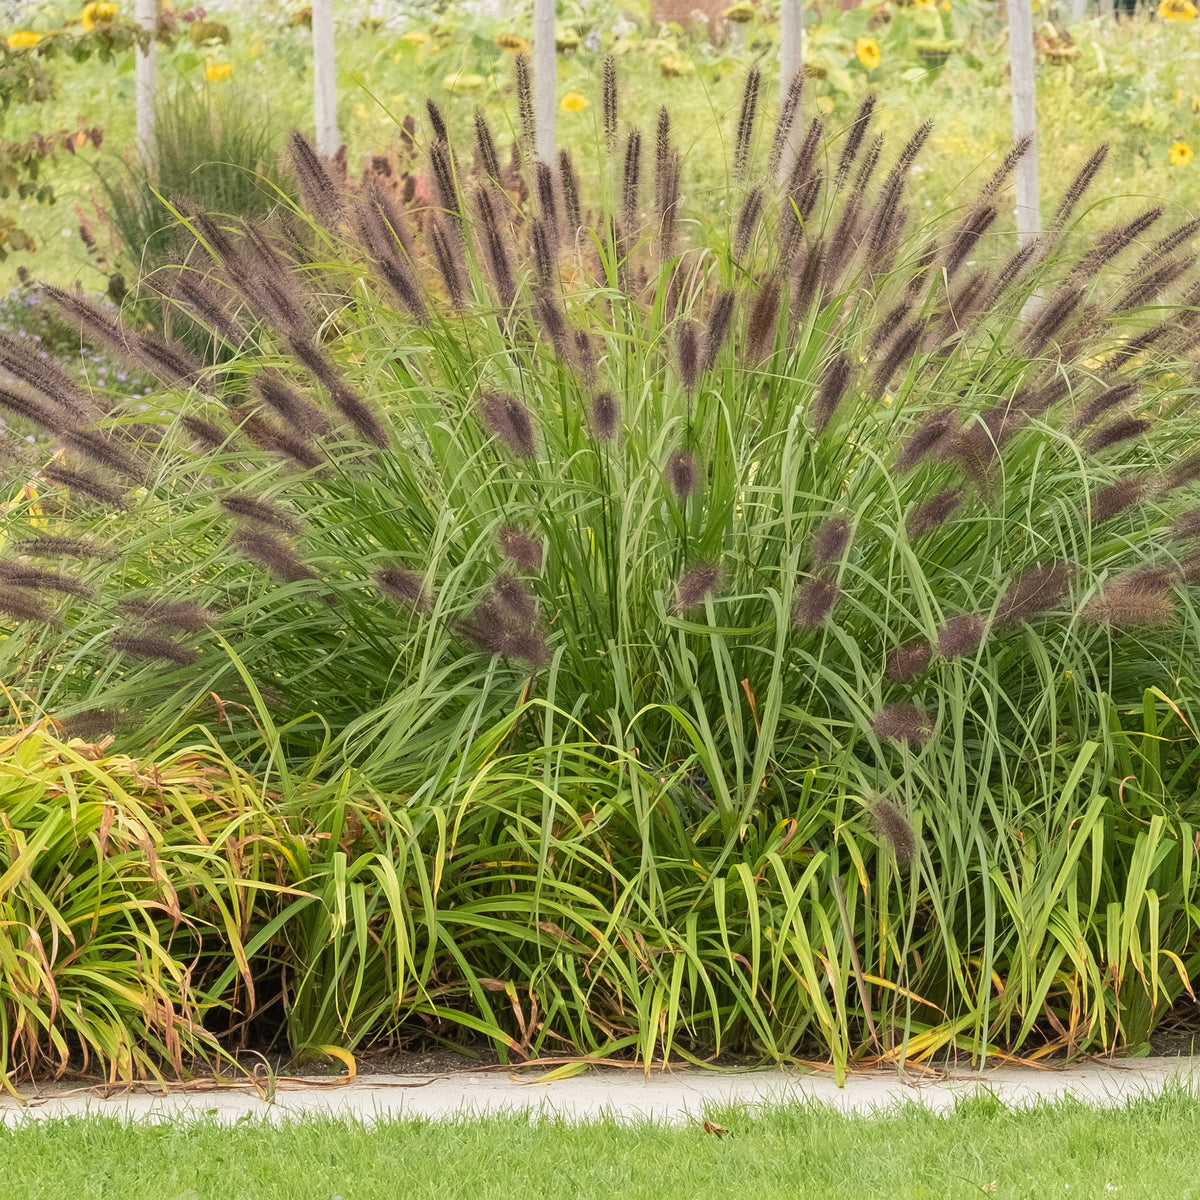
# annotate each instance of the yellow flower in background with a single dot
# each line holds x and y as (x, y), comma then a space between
(215, 72)
(512, 42)
(574, 102)
(1177, 10)
(23, 39)
(418, 37)
(869, 53)
(946, 6)
(463, 81)
(36, 519)
(105, 14)
(673, 67)
(825, 104)
(1181, 154)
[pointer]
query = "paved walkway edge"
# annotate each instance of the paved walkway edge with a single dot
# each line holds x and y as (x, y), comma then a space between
(673, 1096)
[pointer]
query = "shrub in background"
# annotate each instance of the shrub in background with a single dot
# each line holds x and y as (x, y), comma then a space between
(217, 150)
(717, 638)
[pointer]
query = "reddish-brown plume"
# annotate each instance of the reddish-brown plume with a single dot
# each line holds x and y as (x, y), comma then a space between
(908, 661)
(892, 827)
(903, 723)
(695, 586)
(1035, 592)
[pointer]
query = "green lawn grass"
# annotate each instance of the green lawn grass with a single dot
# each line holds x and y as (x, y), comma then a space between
(1149, 1148)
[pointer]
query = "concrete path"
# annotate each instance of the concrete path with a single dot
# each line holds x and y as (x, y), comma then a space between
(673, 1096)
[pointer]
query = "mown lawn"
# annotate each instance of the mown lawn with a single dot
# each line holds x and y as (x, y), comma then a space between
(1149, 1148)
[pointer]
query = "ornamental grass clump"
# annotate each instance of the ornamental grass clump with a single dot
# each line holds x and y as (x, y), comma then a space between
(624, 551)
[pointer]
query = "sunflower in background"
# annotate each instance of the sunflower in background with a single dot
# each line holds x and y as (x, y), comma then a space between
(1177, 10)
(869, 53)
(97, 14)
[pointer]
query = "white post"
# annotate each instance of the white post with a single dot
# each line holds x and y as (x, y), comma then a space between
(545, 78)
(324, 78)
(1024, 105)
(145, 12)
(1078, 10)
(791, 48)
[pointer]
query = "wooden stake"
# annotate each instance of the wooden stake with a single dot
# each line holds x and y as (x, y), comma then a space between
(146, 14)
(324, 78)
(545, 81)
(1024, 105)
(791, 48)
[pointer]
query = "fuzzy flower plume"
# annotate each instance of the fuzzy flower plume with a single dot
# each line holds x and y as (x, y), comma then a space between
(681, 474)
(519, 548)
(815, 601)
(606, 417)
(90, 725)
(1121, 430)
(151, 646)
(1035, 592)
(695, 586)
(1139, 598)
(687, 346)
(84, 485)
(208, 434)
(508, 420)
(931, 514)
(892, 828)
(53, 546)
(908, 661)
(746, 122)
(835, 379)
(35, 579)
(22, 605)
(831, 539)
(523, 77)
(718, 328)
(300, 415)
(1115, 498)
(763, 319)
(507, 621)
(184, 615)
(405, 588)
(275, 555)
(260, 512)
(1187, 526)
(320, 192)
(609, 101)
(961, 636)
(631, 180)
(785, 124)
(903, 723)
(930, 431)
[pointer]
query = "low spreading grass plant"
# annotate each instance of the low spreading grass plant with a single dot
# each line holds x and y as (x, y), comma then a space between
(126, 888)
(710, 637)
